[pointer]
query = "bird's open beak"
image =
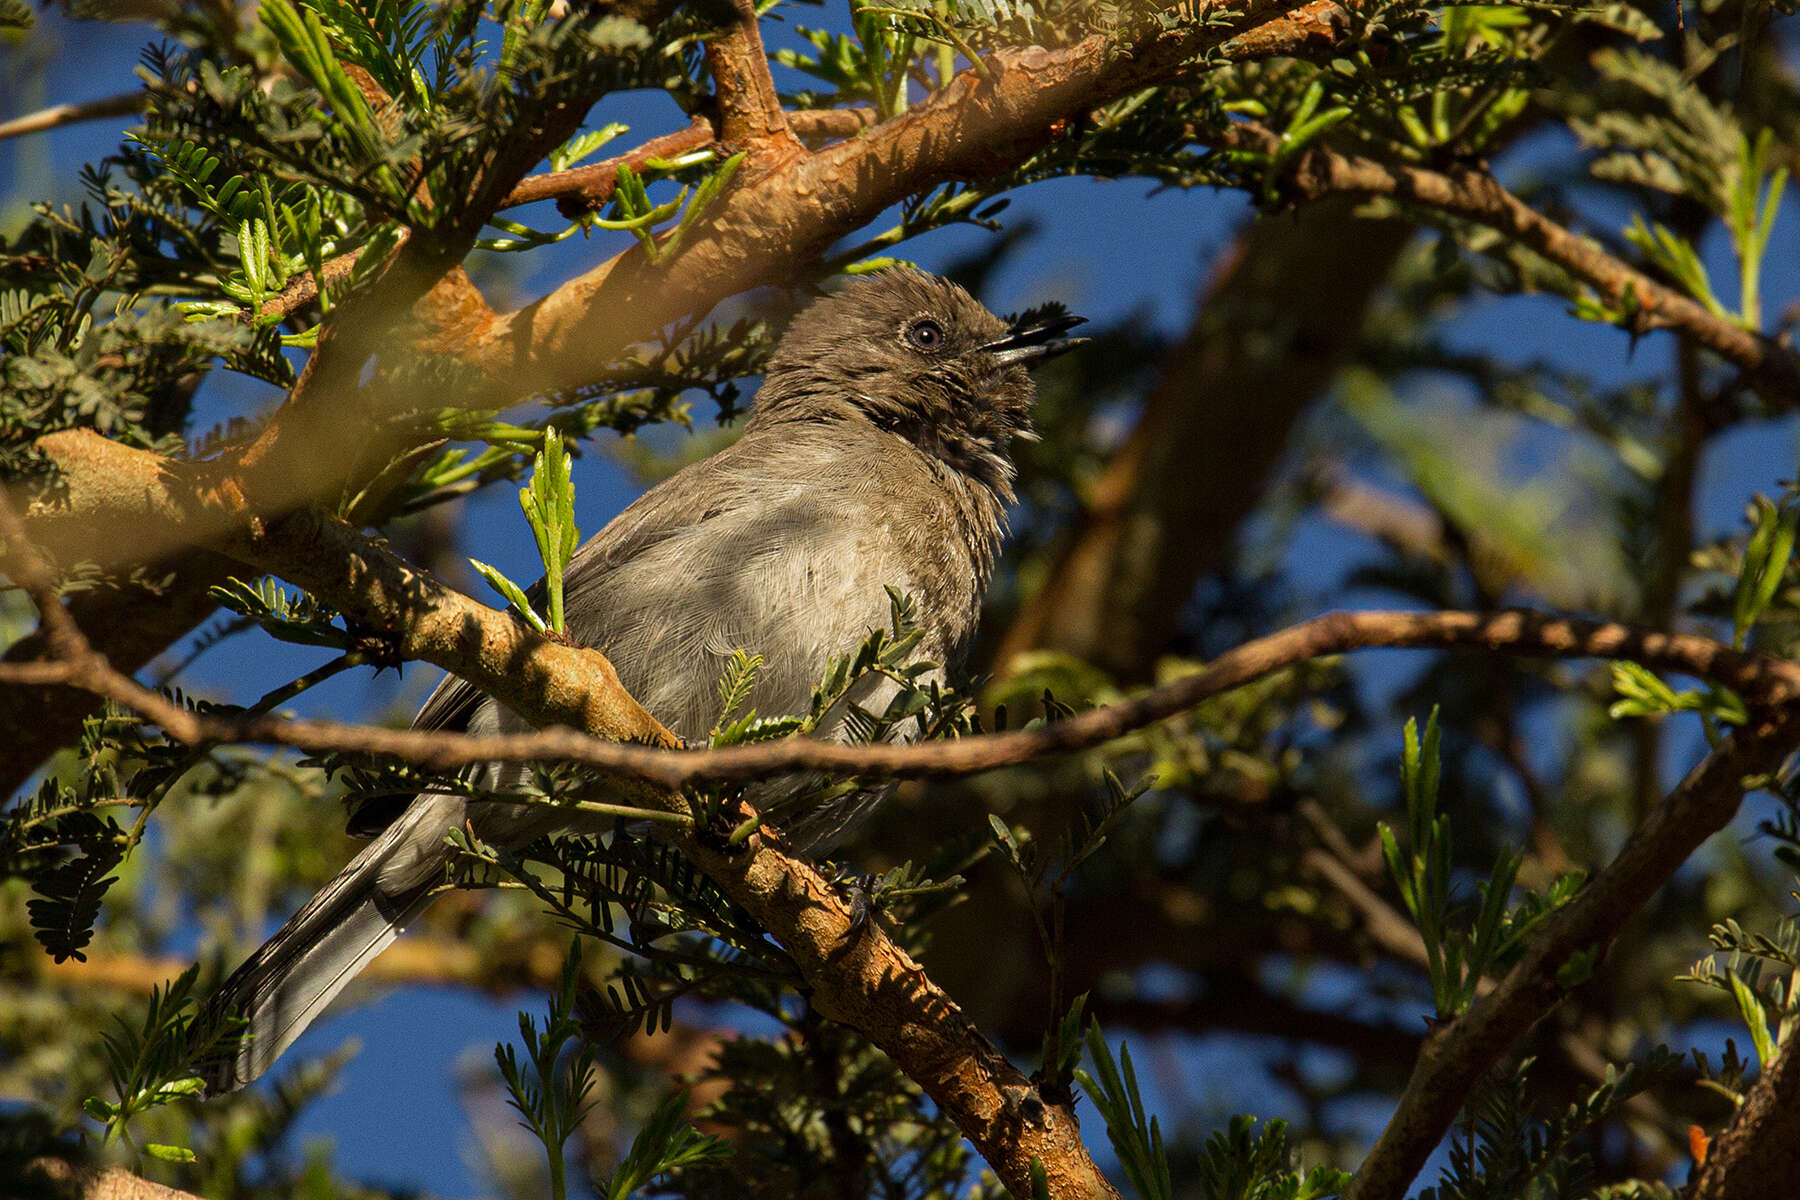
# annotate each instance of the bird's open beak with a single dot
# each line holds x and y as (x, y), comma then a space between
(1032, 344)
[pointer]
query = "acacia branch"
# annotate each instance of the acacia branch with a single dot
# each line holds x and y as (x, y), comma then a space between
(1459, 1052)
(304, 288)
(1473, 194)
(59, 1179)
(585, 189)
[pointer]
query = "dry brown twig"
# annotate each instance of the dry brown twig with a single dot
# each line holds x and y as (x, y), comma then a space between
(1472, 193)
(433, 622)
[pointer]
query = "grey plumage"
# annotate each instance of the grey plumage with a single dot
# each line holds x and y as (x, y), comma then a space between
(877, 454)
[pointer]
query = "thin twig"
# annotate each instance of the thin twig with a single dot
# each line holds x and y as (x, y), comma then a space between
(1762, 679)
(58, 115)
(1474, 194)
(584, 189)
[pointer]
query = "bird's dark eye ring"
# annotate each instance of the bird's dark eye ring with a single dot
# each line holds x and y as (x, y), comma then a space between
(925, 335)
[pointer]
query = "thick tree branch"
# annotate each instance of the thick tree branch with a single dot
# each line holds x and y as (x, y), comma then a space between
(1457, 1053)
(55, 1177)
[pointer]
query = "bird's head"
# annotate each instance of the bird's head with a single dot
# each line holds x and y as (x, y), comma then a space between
(918, 356)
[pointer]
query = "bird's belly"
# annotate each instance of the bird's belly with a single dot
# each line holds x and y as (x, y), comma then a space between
(796, 600)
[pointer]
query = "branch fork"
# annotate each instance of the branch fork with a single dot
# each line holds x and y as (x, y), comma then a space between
(751, 118)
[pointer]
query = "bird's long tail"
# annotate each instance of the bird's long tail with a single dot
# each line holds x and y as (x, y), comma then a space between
(286, 984)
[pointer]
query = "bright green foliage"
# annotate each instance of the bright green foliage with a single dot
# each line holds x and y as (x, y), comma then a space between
(553, 1091)
(1458, 950)
(1766, 558)
(549, 507)
(640, 215)
(1241, 1164)
(1770, 1008)
(1641, 694)
(1236, 1164)
(666, 1143)
(551, 1096)
(1688, 145)
(1503, 1148)
(290, 616)
(149, 1065)
(1135, 1135)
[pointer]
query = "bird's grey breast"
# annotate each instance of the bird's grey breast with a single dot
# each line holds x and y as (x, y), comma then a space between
(781, 546)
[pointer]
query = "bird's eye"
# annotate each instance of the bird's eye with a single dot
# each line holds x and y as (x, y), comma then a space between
(925, 335)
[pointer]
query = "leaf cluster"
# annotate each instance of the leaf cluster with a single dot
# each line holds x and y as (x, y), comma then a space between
(1502, 1148)
(1458, 955)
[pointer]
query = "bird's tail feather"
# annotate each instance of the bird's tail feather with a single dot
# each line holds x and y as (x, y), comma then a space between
(281, 988)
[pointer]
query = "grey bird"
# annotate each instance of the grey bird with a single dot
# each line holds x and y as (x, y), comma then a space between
(878, 453)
